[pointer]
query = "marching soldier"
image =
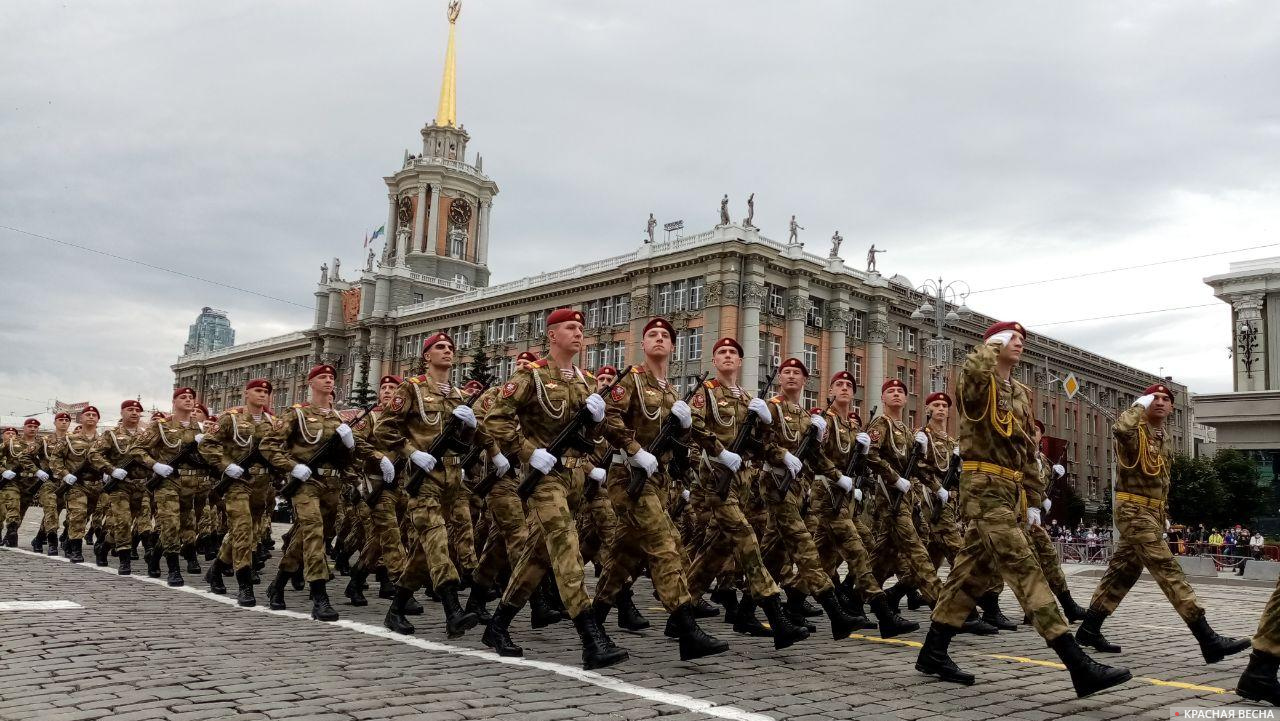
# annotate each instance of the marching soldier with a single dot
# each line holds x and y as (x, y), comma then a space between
(73, 462)
(944, 532)
(51, 502)
(174, 440)
(996, 445)
(16, 467)
(114, 456)
(1144, 453)
(1038, 487)
(33, 486)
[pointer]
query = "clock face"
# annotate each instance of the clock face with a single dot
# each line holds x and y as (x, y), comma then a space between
(459, 212)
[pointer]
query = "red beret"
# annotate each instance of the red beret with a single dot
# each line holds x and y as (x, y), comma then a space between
(794, 363)
(528, 355)
(64, 416)
(473, 386)
(258, 383)
(844, 376)
(1007, 325)
(727, 342)
(184, 391)
(1039, 426)
(607, 370)
(131, 403)
(159, 416)
(815, 411)
(1158, 388)
(893, 383)
(563, 315)
(321, 370)
(939, 396)
(91, 408)
(203, 409)
(393, 380)
(8, 429)
(659, 322)
(436, 338)
(32, 422)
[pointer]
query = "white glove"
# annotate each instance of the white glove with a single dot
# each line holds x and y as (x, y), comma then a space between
(595, 404)
(1002, 338)
(956, 452)
(233, 471)
(792, 463)
(902, 485)
(820, 423)
(8, 475)
(344, 432)
(760, 408)
(682, 412)
(466, 415)
(922, 438)
(857, 495)
(597, 474)
(388, 469)
(845, 484)
(944, 494)
(542, 460)
(300, 472)
(199, 438)
(500, 464)
(423, 460)
(685, 494)
(69, 479)
(730, 460)
(1047, 505)
(42, 475)
(1058, 470)
(162, 470)
(863, 440)
(1168, 525)
(644, 460)
(119, 474)
(1145, 401)
(1033, 516)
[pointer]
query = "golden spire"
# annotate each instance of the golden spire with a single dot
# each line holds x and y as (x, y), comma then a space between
(447, 114)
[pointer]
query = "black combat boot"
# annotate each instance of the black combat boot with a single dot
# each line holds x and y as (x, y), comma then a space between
(342, 561)
(101, 553)
(701, 609)
(797, 604)
(126, 563)
(193, 563)
(629, 617)
(1070, 608)
(496, 635)
(694, 642)
(298, 580)
(175, 572)
(477, 604)
(597, 650)
(541, 614)
(214, 577)
(412, 607)
(745, 621)
(893, 595)
(395, 618)
(891, 624)
(386, 589)
(153, 556)
(457, 621)
(784, 632)
(728, 600)
(133, 547)
(1258, 682)
(1090, 632)
(51, 540)
(853, 610)
(275, 591)
(933, 659)
(355, 587)
(74, 550)
(321, 609)
(37, 542)
(244, 587)
(976, 626)
(842, 624)
(991, 613)
(64, 538)
(202, 546)
(1214, 647)
(1088, 676)
(914, 599)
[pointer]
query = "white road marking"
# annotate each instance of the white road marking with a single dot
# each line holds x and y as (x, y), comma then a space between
(38, 605)
(590, 677)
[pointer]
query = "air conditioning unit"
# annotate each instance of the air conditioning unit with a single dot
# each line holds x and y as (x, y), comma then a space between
(817, 322)
(775, 306)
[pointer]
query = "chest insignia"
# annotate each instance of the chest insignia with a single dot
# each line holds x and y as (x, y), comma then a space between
(617, 393)
(508, 390)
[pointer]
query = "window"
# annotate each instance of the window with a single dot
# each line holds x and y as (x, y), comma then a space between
(512, 324)
(902, 373)
(606, 311)
(816, 312)
(679, 295)
(911, 420)
(1066, 418)
(770, 350)
(808, 399)
(911, 339)
(622, 309)
(697, 293)
(1044, 413)
(417, 297)
(593, 314)
(857, 323)
(695, 343)
(777, 298)
(664, 298)
(459, 279)
(811, 359)
(911, 380)
(619, 354)
(856, 368)
(540, 323)
(593, 357)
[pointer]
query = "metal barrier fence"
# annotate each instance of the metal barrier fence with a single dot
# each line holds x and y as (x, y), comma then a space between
(1226, 557)
(1097, 552)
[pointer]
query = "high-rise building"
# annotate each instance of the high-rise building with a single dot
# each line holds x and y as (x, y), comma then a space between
(211, 331)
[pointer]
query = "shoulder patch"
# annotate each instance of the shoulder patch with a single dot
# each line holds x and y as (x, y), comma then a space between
(297, 405)
(415, 380)
(699, 400)
(487, 403)
(777, 399)
(875, 435)
(397, 402)
(713, 383)
(617, 392)
(508, 390)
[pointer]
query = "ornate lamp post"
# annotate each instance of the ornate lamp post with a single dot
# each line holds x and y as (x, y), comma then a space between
(938, 296)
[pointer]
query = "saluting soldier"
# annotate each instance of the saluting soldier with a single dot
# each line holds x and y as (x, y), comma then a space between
(51, 502)
(114, 456)
(16, 467)
(166, 439)
(72, 461)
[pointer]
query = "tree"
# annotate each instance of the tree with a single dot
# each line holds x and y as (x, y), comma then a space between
(362, 395)
(1242, 498)
(1195, 492)
(479, 369)
(1072, 508)
(1102, 516)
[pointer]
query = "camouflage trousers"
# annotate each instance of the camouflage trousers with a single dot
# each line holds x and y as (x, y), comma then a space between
(1267, 639)
(995, 546)
(551, 544)
(788, 541)
(81, 499)
(200, 503)
(727, 536)
(507, 533)
(11, 503)
(174, 517)
(213, 518)
(597, 529)
(243, 501)
(836, 531)
(645, 533)
(120, 514)
(897, 549)
(315, 507)
(696, 520)
(944, 536)
(50, 506)
(429, 557)
(382, 542)
(1141, 546)
(455, 503)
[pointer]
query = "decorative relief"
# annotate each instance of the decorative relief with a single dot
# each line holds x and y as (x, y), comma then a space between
(714, 290)
(639, 305)
(731, 292)
(753, 295)
(798, 307)
(838, 319)
(877, 329)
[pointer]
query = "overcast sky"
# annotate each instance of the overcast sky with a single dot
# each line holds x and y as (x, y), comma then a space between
(995, 142)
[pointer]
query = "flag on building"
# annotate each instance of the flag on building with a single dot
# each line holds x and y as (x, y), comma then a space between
(370, 238)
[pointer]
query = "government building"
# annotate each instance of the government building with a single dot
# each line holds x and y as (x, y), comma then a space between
(726, 280)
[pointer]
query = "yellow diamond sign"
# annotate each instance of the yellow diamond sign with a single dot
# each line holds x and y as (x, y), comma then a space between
(1071, 385)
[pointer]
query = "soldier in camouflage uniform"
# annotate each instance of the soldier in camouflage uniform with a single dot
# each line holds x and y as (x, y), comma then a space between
(1038, 487)
(51, 502)
(16, 467)
(532, 409)
(72, 461)
(33, 485)
(1144, 453)
(996, 445)
(114, 455)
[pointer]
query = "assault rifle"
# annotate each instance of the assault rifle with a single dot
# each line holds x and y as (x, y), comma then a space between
(448, 440)
(186, 452)
(63, 486)
(807, 446)
(253, 456)
(723, 477)
(856, 469)
(569, 437)
(293, 484)
(951, 481)
(34, 488)
(913, 459)
(662, 442)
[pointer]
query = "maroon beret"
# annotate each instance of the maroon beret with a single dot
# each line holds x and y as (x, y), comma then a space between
(527, 355)
(939, 396)
(393, 380)
(1158, 388)
(184, 391)
(91, 408)
(563, 315)
(893, 383)
(436, 338)
(258, 383)
(321, 370)
(794, 363)
(1007, 325)
(607, 370)
(64, 416)
(131, 403)
(727, 342)
(844, 376)
(1039, 426)
(32, 422)
(659, 322)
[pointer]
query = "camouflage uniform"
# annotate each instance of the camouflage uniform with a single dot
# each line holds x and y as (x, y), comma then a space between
(51, 504)
(834, 510)
(244, 499)
(115, 450)
(174, 516)
(74, 457)
(944, 533)
(507, 532)
(382, 541)
(1037, 486)
(896, 546)
(15, 456)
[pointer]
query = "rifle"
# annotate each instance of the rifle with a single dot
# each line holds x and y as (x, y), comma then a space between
(253, 456)
(63, 486)
(661, 443)
(34, 488)
(723, 477)
(186, 450)
(569, 437)
(806, 448)
(950, 481)
(913, 459)
(447, 441)
(856, 469)
(292, 486)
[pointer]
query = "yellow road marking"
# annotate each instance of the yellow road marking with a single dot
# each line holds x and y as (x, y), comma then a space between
(1024, 659)
(1187, 686)
(877, 639)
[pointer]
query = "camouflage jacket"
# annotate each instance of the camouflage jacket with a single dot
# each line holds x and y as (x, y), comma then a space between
(416, 416)
(162, 440)
(1038, 483)
(300, 432)
(891, 443)
(840, 443)
(635, 409)
(995, 415)
(115, 450)
(235, 434)
(1144, 455)
(16, 456)
(74, 456)
(534, 406)
(934, 464)
(790, 424)
(717, 415)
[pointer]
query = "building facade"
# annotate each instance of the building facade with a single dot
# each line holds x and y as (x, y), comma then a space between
(211, 331)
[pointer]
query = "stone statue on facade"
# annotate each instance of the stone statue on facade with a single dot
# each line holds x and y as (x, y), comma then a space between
(337, 264)
(751, 211)
(368, 263)
(724, 210)
(324, 273)
(650, 226)
(794, 227)
(836, 240)
(871, 258)
(455, 9)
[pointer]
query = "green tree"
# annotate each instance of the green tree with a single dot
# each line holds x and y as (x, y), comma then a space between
(362, 395)
(1242, 498)
(479, 369)
(1102, 516)
(1195, 492)
(1072, 508)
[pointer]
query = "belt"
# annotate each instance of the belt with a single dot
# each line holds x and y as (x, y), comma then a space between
(992, 469)
(618, 458)
(1138, 500)
(327, 472)
(192, 472)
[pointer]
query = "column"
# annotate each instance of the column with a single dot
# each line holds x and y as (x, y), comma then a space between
(389, 235)
(418, 214)
(1253, 375)
(749, 334)
(381, 295)
(837, 321)
(429, 243)
(877, 328)
(482, 245)
(322, 308)
(797, 312)
(335, 309)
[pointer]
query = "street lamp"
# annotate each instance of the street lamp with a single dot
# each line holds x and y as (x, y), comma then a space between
(944, 303)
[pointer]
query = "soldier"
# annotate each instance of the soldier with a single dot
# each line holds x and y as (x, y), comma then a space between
(51, 502)
(533, 407)
(1038, 487)
(719, 410)
(114, 455)
(288, 447)
(73, 462)
(233, 449)
(944, 532)
(996, 445)
(1144, 453)
(15, 461)
(33, 485)
(418, 414)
